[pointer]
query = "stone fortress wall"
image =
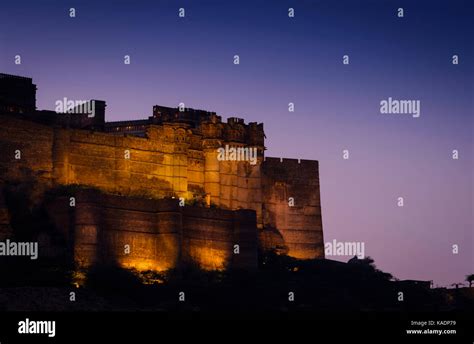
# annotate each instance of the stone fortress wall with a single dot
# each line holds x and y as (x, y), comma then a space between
(143, 168)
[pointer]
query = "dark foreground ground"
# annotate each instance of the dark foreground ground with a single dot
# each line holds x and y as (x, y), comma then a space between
(313, 298)
(280, 284)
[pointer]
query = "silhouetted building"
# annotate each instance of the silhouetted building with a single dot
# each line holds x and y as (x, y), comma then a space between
(17, 94)
(18, 97)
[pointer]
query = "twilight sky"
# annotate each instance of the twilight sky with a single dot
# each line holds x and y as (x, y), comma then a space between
(295, 60)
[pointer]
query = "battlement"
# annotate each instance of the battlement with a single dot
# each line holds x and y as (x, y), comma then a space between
(205, 124)
(292, 163)
(193, 116)
(235, 120)
(16, 77)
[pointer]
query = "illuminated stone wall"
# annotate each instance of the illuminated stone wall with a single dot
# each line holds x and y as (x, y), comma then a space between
(26, 150)
(128, 165)
(292, 206)
(218, 239)
(154, 234)
(174, 160)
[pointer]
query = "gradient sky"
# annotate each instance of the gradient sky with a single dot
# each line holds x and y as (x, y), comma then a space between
(296, 60)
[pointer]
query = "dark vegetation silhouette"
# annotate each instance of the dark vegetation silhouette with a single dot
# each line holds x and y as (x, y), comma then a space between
(470, 279)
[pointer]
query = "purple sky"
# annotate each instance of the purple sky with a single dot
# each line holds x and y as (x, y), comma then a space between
(296, 60)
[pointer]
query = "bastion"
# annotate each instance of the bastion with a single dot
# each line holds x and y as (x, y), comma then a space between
(153, 194)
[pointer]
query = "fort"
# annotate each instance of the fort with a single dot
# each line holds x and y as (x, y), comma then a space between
(126, 180)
